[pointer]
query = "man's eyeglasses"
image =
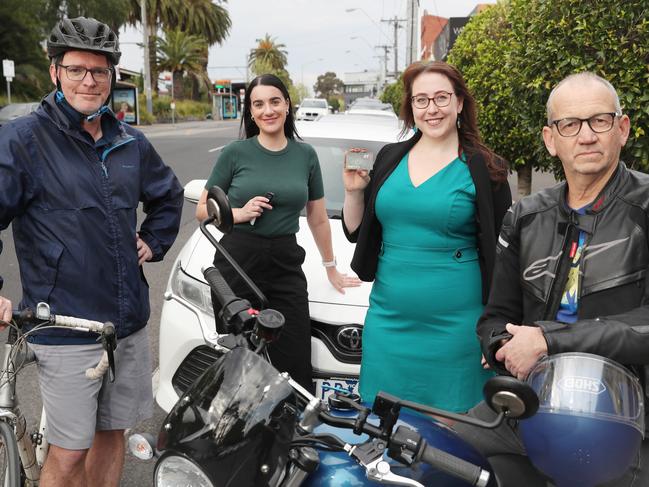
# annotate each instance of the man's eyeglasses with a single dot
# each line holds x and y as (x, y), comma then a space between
(77, 73)
(441, 99)
(571, 126)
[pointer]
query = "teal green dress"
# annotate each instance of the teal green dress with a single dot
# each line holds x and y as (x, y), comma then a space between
(419, 339)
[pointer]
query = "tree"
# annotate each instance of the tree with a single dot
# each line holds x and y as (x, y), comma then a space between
(269, 54)
(211, 22)
(182, 54)
(513, 54)
(20, 38)
(112, 12)
(328, 85)
(264, 67)
(393, 94)
(298, 92)
(197, 17)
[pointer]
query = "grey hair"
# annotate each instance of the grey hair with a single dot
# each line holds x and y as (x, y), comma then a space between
(584, 77)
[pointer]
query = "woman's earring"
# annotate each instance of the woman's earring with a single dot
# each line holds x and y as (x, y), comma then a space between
(457, 121)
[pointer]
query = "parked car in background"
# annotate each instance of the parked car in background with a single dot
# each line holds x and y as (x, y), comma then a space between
(187, 327)
(15, 110)
(371, 106)
(312, 108)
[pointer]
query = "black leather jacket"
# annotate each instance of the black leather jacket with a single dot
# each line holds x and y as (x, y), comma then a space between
(532, 264)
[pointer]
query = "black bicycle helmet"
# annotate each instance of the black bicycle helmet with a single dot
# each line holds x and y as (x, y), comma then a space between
(83, 34)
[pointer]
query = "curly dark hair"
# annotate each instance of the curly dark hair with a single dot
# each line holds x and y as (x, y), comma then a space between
(468, 133)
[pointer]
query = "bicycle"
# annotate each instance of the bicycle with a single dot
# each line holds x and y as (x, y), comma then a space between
(22, 455)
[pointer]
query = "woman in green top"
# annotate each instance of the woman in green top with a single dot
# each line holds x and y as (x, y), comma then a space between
(269, 160)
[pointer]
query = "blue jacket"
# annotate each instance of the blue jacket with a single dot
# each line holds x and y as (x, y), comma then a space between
(73, 205)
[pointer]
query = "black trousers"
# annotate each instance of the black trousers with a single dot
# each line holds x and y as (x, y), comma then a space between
(275, 266)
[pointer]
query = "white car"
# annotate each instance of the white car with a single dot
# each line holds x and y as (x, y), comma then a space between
(312, 109)
(187, 331)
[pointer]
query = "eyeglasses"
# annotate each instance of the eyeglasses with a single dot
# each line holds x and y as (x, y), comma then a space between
(441, 99)
(598, 123)
(77, 73)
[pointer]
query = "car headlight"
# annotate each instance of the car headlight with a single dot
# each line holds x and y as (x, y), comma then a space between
(176, 471)
(192, 290)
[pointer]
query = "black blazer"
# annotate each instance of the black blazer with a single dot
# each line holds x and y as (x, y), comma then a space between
(492, 201)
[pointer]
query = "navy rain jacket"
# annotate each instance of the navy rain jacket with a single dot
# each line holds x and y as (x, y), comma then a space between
(73, 209)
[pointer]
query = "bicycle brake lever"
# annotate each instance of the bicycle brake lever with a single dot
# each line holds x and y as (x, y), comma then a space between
(109, 344)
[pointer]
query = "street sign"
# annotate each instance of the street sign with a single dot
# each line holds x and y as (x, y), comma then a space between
(8, 69)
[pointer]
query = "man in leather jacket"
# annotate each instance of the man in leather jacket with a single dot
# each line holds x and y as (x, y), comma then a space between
(572, 261)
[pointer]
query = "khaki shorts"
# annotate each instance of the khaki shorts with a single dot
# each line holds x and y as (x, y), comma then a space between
(76, 406)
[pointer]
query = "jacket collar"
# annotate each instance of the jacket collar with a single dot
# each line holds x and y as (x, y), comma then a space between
(69, 120)
(586, 221)
(608, 193)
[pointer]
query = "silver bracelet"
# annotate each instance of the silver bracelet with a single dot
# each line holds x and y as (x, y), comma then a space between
(331, 263)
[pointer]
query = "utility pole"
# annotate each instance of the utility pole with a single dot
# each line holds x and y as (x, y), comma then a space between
(412, 30)
(147, 68)
(396, 25)
(385, 60)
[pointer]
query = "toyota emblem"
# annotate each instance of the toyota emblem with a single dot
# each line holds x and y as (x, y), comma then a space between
(350, 338)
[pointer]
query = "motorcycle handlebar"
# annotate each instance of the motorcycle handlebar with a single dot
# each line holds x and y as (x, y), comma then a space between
(217, 283)
(455, 466)
(401, 438)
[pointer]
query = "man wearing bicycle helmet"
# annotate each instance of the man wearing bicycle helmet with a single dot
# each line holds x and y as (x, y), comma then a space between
(71, 179)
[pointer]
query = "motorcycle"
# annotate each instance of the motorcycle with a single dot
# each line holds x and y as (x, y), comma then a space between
(243, 423)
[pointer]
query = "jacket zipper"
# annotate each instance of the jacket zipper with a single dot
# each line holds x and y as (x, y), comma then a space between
(558, 284)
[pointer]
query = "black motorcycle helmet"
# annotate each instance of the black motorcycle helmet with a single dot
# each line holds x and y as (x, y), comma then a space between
(83, 34)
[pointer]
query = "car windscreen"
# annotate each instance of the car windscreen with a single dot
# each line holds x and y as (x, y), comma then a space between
(313, 104)
(331, 154)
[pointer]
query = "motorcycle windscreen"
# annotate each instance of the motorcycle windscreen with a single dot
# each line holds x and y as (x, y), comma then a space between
(236, 421)
(590, 421)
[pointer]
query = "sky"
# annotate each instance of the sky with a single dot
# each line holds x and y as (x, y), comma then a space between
(316, 35)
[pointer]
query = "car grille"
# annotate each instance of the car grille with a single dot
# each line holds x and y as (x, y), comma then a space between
(343, 341)
(193, 366)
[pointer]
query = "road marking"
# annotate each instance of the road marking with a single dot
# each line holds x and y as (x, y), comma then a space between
(155, 380)
(216, 148)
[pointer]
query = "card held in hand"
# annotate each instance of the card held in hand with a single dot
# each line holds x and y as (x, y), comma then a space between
(359, 159)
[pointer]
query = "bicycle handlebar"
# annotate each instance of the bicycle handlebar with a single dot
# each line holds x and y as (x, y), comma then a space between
(106, 331)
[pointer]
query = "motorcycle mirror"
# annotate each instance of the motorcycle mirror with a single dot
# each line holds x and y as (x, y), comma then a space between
(511, 396)
(218, 208)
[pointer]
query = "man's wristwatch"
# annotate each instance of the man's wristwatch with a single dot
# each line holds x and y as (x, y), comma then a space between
(330, 263)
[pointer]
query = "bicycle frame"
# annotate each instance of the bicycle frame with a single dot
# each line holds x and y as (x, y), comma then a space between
(11, 413)
(32, 448)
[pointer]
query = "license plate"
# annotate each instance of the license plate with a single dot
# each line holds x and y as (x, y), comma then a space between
(325, 387)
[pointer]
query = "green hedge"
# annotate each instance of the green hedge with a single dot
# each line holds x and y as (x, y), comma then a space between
(186, 110)
(512, 55)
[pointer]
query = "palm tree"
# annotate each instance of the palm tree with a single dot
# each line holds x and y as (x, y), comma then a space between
(197, 17)
(211, 22)
(269, 53)
(181, 53)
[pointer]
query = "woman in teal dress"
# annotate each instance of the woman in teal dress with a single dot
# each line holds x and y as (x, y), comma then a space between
(425, 221)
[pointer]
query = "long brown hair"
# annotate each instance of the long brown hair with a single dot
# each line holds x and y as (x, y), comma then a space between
(468, 133)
